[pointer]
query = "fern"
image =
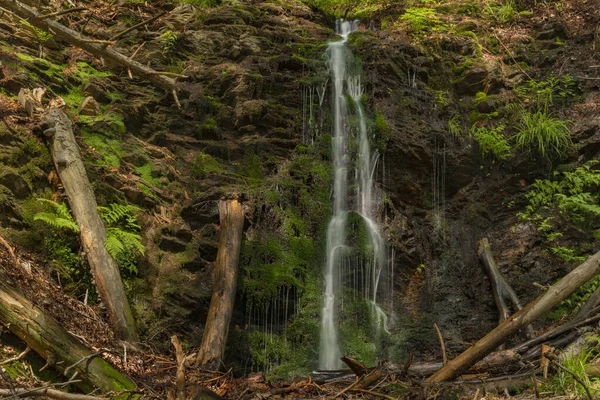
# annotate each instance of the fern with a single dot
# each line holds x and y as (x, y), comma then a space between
(120, 214)
(123, 239)
(60, 219)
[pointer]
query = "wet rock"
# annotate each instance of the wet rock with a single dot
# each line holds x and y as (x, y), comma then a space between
(92, 89)
(15, 183)
(195, 265)
(172, 244)
(201, 213)
(550, 31)
(208, 249)
(473, 81)
(89, 107)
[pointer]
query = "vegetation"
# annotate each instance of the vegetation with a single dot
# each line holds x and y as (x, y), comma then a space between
(492, 141)
(544, 135)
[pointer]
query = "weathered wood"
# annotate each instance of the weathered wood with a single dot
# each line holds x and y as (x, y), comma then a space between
(215, 333)
(587, 308)
(535, 309)
(52, 342)
(46, 392)
(71, 170)
(356, 366)
(180, 375)
(76, 39)
(501, 290)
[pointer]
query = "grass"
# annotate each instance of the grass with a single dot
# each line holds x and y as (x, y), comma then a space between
(547, 136)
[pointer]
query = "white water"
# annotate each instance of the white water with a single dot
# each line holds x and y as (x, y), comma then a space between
(338, 264)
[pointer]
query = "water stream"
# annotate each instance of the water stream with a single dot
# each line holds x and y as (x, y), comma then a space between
(352, 157)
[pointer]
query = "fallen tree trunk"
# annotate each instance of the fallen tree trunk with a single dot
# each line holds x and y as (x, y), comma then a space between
(70, 168)
(76, 39)
(557, 293)
(501, 290)
(215, 333)
(46, 392)
(52, 342)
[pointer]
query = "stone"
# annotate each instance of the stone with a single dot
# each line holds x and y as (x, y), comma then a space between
(16, 184)
(172, 244)
(473, 81)
(91, 89)
(551, 31)
(89, 107)
(201, 213)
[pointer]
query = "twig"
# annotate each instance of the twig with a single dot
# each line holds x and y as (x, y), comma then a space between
(180, 375)
(10, 385)
(63, 12)
(511, 56)
(442, 344)
(9, 248)
(385, 396)
(138, 49)
(106, 42)
(164, 73)
(243, 393)
(126, 31)
(88, 357)
(407, 364)
(17, 358)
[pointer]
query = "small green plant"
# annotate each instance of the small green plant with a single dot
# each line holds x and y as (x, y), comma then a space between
(169, 40)
(204, 164)
(555, 89)
(455, 127)
(58, 218)
(501, 12)
(492, 141)
(576, 361)
(547, 136)
(420, 19)
(123, 239)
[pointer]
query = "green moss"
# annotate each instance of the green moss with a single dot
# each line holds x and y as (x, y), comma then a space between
(204, 164)
(207, 129)
(108, 151)
(145, 172)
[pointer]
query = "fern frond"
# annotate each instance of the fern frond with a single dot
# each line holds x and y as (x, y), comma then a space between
(116, 213)
(127, 240)
(61, 208)
(56, 221)
(114, 246)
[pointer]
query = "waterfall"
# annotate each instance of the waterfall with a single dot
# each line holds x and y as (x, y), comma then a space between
(341, 260)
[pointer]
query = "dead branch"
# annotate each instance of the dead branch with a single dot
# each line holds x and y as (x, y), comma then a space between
(180, 376)
(126, 31)
(63, 12)
(356, 366)
(535, 309)
(16, 358)
(9, 248)
(384, 396)
(442, 344)
(77, 39)
(502, 291)
(47, 392)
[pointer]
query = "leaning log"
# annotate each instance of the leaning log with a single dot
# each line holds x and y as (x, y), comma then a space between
(501, 290)
(76, 39)
(214, 338)
(52, 342)
(80, 195)
(535, 309)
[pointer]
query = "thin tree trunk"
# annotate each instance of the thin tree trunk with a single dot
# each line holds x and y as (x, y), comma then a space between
(51, 341)
(71, 171)
(214, 338)
(76, 39)
(535, 309)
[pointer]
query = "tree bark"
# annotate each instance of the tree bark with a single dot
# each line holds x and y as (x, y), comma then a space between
(501, 289)
(76, 39)
(557, 293)
(226, 270)
(52, 342)
(71, 171)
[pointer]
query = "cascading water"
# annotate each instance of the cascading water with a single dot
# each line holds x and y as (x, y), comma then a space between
(341, 261)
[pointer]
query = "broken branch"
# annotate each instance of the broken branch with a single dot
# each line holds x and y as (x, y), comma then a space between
(126, 31)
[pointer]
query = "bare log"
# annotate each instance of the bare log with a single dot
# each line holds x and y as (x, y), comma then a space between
(587, 308)
(76, 39)
(553, 296)
(214, 338)
(71, 170)
(502, 291)
(52, 342)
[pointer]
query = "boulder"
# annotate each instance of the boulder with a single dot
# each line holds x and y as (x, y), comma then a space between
(472, 81)
(89, 107)
(15, 183)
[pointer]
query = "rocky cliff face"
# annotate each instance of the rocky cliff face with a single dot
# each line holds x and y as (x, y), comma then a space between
(253, 125)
